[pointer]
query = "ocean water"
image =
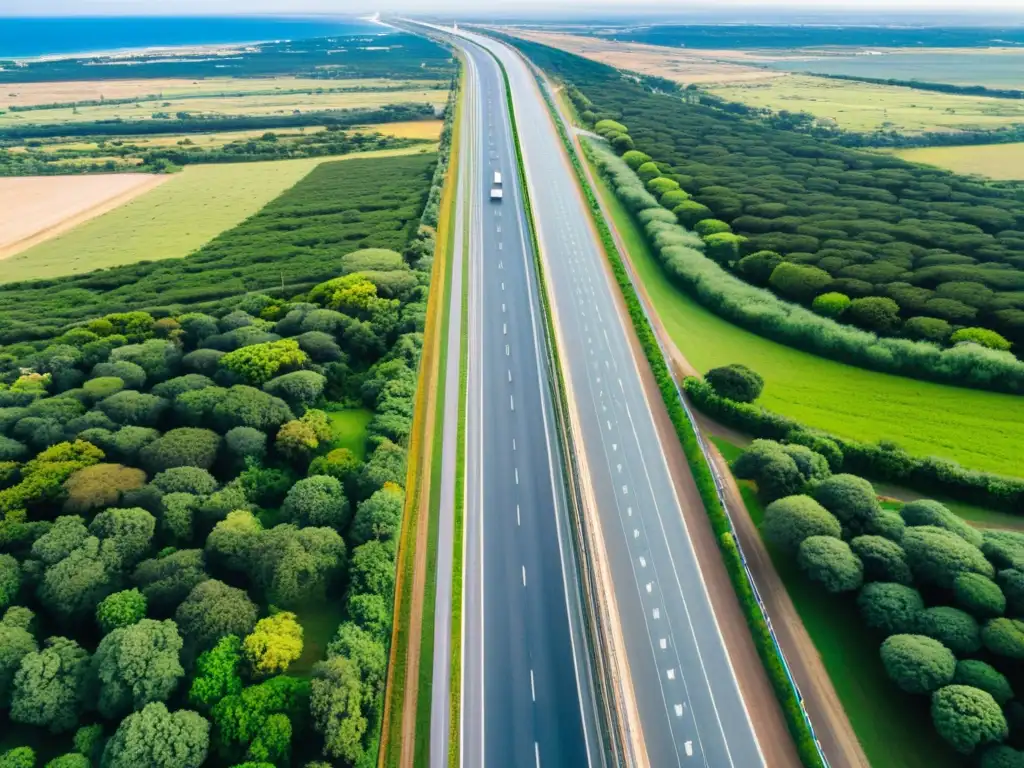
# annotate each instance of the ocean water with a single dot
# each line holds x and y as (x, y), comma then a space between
(24, 37)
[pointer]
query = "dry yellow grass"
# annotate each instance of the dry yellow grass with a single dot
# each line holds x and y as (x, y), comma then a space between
(414, 129)
(996, 161)
(26, 94)
(681, 65)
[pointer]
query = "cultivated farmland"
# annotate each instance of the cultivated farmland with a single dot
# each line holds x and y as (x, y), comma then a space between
(996, 161)
(867, 107)
(981, 430)
(33, 209)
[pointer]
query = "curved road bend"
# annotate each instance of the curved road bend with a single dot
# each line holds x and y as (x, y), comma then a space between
(526, 692)
(688, 699)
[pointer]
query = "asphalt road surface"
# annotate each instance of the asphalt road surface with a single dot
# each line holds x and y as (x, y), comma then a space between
(689, 703)
(526, 693)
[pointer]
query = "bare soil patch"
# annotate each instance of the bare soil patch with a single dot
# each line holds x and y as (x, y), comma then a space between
(681, 65)
(36, 208)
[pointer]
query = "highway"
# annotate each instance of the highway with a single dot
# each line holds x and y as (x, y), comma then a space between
(526, 692)
(686, 693)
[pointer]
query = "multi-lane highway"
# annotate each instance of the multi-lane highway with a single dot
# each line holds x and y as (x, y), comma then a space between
(526, 689)
(685, 689)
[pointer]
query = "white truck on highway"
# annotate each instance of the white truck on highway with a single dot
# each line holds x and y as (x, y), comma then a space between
(496, 189)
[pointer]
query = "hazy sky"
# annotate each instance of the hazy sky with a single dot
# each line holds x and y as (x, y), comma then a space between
(1013, 8)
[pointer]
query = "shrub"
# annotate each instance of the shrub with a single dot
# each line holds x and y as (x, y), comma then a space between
(202, 361)
(917, 664)
(928, 512)
(133, 376)
(927, 329)
(791, 520)
(190, 381)
(883, 560)
(296, 441)
(634, 158)
(258, 363)
(851, 499)
(707, 227)
(134, 408)
(800, 282)
(690, 212)
(244, 406)
(299, 389)
(832, 304)
(952, 627)
(888, 524)
(978, 674)
(1004, 637)
(830, 561)
(182, 447)
(875, 313)
(660, 185)
(245, 443)
(120, 609)
(982, 336)
(967, 717)
(102, 387)
(978, 595)
(340, 463)
(890, 608)
(736, 382)
(937, 556)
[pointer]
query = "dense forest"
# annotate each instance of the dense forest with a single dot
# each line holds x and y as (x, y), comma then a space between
(178, 524)
(393, 55)
(293, 243)
(926, 253)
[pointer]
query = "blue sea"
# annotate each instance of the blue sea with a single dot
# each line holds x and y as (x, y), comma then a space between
(22, 37)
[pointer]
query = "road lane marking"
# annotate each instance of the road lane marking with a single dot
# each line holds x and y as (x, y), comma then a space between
(536, 753)
(533, 690)
(511, 403)
(504, 329)
(502, 307)
(518, 521)
(499, 246)
(524, 575)
(517, 475)
(513, 443)
(510, 376)
(500, 262)
(506, 350)
(503, 285)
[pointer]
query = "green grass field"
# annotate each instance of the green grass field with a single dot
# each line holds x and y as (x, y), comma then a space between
(349, 427)
(886, 720)
(264, 104)
(996, 161)
(867, 107)
(981, 430)
(172, 220)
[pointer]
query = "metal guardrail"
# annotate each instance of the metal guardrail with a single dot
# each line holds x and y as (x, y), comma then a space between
(705, 451)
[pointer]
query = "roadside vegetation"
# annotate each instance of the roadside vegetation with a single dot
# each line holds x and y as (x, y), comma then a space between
(980, 430)
(189, 498)
(940, 597)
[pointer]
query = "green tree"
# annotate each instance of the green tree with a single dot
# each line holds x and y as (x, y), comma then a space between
(757, 268)
(830, 561)
(851, 499)
(130, 408)
(336, 707)
(928, 512)
(292, 565)
(217, 673)
(793, 519)
(386, 465)
(259, 363)
(176, 522)
(71, 588)
(371, 613)
(927, 329)
(983, 336)
(182, 447)
(50, 686)
(937, 556)
(800, 282)
(296, 442)
(241, 720)
(89, 742)
(708, 227)
(952, 627)
(193, 480)
(70, 760)
(1004, 637)
(378, 517)
(883, 560)
(317, 501)
(967, 717)
(166, 581)
(16, 642)
(101, 485)
(125, 536)
(300, 389)
(724, 247)
(19, 757)
(372, 569)
(157, 738)
(1011, 581)
(358, 646)
(736, 382)
(136, 665)
(66, 535)
(10, 580)
(890, 608)
(978, 674)
(978, 595)
(121, 609)
(917, 664)
(832, 304)
(274, 644)
(244, 406)
(157, 357)
(340, 464)
(875, 313)
(244, 443)
(212, 610)
(1001, 756)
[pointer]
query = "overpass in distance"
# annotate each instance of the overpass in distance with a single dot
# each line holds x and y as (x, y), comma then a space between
(527, 694)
